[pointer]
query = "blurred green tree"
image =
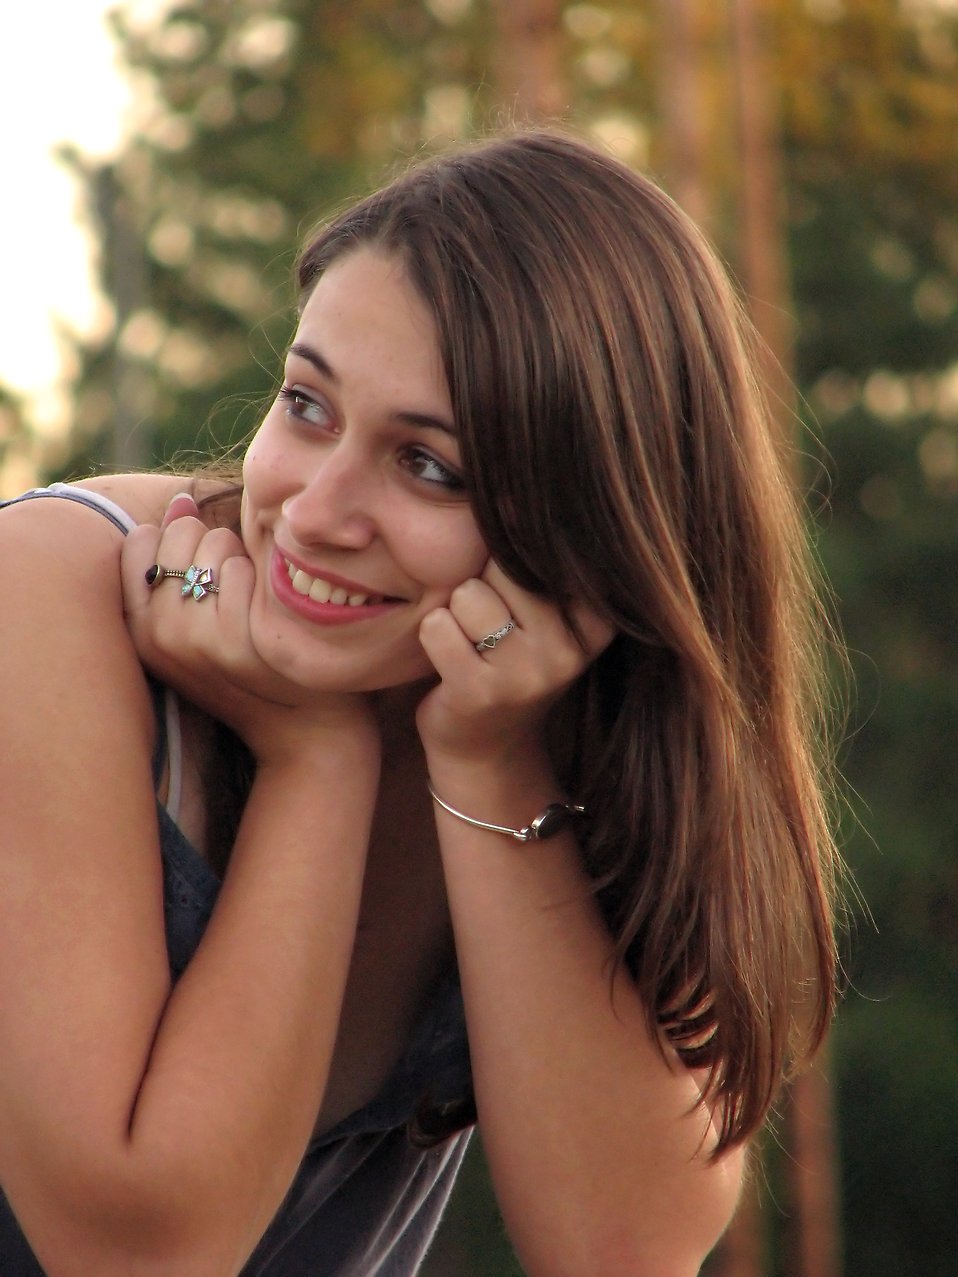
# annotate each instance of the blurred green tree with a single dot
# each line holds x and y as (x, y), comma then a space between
(15, 433)
(252, 118)
(871, 130)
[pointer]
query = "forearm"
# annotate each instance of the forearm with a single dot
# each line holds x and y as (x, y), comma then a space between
(144, 1130)
(232, 1087)
(597, 1150)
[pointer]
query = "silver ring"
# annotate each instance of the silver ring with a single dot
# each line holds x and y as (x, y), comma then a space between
(497, 636)
(197, 582)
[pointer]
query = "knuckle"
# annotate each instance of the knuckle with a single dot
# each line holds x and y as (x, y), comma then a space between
(236, 578)
(434, 622)
(222, 542)
(185, 525)
(463, 592)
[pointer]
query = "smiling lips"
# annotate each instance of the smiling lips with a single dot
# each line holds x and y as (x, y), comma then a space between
(321, 591)
(324, 602)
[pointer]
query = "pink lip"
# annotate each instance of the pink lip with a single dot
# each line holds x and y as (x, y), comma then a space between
(322, 613)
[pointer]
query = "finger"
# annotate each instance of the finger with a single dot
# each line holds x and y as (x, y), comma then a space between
(215, 547)
(147, 545)
(139, 552)
(186, 540)
(178, 618)
(235, 579)
(181, 506)
(592, 631)
(531, 626)
(448, 647)
(480, 611)
(190, 556)
(527, 609)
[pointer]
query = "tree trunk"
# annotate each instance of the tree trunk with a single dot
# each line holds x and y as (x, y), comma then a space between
(682, 110)
(761, 244)
(528, 58)
(132, 385)
(810, 1162)
(814, 1246)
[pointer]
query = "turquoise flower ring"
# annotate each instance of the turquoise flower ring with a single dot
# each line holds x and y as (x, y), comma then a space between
(198, 582)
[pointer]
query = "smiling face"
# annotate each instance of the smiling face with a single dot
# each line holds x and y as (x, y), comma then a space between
(354, 512)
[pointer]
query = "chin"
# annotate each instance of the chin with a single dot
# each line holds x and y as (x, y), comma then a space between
(339, 670)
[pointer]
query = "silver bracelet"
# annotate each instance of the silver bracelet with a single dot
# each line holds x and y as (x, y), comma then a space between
(548, 822)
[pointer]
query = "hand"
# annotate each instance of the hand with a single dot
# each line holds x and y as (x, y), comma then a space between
(203, 649)
(493, 703)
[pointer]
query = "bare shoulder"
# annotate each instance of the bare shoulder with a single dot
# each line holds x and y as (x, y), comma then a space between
(59, 572)
(145, 496)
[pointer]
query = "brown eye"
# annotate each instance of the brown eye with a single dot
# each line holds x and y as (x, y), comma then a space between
(303, 407)
(423, 465)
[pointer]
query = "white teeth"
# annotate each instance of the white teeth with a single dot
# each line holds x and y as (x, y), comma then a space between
(322, 591)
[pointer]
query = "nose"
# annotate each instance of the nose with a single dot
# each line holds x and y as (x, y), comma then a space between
(335, 504)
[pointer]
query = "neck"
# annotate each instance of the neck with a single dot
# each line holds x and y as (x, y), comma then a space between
(396, 712)
(405, 826)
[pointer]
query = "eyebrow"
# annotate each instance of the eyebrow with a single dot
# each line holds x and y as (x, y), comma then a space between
(425, 419)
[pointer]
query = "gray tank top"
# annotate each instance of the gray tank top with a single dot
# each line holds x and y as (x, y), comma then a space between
(366, 1201)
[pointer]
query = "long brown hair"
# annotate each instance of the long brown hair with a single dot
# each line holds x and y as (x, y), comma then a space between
(617, 449)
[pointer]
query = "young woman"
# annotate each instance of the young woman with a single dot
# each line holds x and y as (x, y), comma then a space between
(476, 770)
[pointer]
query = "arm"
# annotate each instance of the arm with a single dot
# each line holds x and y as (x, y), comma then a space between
(144, 1130)
(597, 1150)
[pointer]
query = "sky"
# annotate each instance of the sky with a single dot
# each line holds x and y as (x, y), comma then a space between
(60, 83)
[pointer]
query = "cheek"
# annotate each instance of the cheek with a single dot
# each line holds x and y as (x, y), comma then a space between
(257, 455)
(251, 471)
(262, 471)
(455, 558)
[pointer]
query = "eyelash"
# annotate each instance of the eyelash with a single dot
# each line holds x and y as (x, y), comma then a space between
(448, 480)
(294, 398)
(298, 403)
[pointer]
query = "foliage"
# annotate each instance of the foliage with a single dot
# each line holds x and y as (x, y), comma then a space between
(254, 117)
(14, 429)
(871, 137)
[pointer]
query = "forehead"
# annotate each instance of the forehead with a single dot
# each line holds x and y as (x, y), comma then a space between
(365, 315)
(368, 284)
